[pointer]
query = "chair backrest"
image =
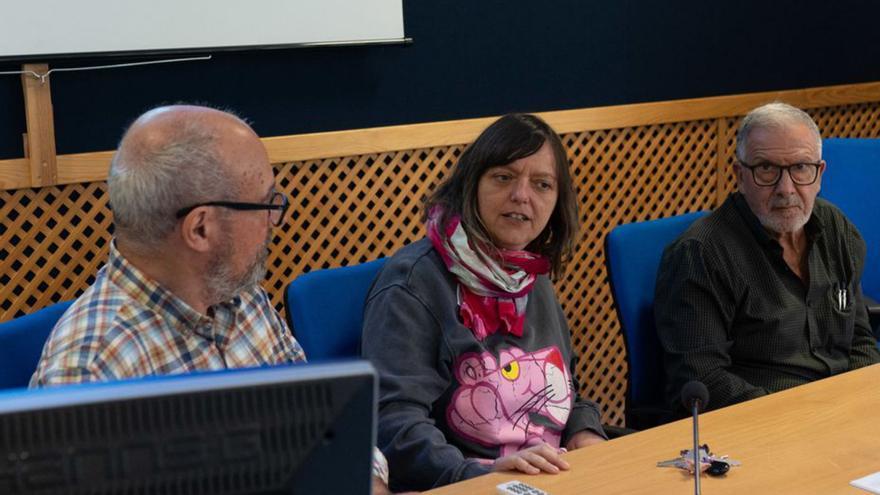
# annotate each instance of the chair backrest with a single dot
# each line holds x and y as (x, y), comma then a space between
(325, 309)
(21, 343)
(632, 254)
(852, 182)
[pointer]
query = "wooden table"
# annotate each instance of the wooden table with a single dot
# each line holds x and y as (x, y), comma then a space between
(812, 439)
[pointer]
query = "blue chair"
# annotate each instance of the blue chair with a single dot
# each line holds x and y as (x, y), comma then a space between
(632, 255)
(21, 343)
(851, 181)
(325, 309)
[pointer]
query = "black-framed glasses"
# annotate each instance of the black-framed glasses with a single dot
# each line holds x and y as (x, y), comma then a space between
(769, 174)
(277, 207)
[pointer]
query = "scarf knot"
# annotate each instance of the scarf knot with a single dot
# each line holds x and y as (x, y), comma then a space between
(492, 294)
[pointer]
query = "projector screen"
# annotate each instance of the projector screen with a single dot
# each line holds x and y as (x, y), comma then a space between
(47, 28)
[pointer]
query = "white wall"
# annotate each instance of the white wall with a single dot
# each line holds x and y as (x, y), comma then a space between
(43, 27)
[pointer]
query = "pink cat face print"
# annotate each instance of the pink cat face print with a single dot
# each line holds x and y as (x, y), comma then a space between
(520, 399)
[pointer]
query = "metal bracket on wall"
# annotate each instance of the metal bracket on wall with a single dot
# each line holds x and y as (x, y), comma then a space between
(40, 137)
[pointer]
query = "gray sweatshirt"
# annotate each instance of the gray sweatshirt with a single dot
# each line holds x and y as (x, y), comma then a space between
(450, 404)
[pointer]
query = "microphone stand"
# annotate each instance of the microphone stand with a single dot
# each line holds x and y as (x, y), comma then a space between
(696, 451)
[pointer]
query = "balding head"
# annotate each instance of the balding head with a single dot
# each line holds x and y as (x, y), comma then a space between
(170, 158)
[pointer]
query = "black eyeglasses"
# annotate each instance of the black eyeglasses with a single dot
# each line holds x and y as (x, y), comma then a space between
(769, 174)
(277, 207)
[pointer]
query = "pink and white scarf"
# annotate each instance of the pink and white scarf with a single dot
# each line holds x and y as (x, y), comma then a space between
(492, 295)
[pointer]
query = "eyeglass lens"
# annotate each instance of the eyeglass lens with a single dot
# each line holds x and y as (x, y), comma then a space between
(800, 173)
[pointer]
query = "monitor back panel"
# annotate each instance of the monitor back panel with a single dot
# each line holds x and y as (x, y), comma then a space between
(304, 436)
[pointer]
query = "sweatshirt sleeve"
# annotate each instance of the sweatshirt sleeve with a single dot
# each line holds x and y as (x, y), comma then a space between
(403, 340)
(585, 414)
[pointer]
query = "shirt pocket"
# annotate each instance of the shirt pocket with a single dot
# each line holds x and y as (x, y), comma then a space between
(840, 298)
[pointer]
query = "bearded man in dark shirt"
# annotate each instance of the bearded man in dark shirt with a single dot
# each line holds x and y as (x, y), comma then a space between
(764, 293)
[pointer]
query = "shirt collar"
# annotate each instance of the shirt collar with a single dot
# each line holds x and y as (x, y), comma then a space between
(143, 289)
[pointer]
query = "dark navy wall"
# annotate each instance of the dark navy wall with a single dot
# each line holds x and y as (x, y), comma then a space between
(474, 58)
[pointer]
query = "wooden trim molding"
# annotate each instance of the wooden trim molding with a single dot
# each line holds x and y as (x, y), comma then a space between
(88, 167)
(414, 136)
(84, 167)
(15, 174)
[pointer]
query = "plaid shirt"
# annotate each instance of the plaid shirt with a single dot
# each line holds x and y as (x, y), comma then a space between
(126, 325)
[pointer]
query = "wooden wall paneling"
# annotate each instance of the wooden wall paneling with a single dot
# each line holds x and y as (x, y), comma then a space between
(53, 242)
(86, 167)
(726, 159)
(625, 175)
(354, 208)
(721, 130)
(862, 120)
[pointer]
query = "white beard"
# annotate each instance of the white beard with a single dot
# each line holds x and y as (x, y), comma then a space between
(786, 224)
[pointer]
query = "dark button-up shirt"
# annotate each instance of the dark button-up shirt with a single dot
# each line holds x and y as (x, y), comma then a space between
(732, 314)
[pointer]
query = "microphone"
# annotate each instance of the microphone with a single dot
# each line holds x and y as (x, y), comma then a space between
(694, 394)
(695, 397)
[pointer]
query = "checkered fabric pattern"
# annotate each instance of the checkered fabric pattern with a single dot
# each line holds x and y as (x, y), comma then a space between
(126, 325)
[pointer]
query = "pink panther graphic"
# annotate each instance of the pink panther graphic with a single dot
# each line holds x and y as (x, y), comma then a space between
(497, 399)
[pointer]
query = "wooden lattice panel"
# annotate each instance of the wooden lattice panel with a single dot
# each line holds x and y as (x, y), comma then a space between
(52, 242)
(855, 121)
(726, 158)
(625, 175)
(352, 209)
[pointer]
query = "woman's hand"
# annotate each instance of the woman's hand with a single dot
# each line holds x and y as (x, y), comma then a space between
(533, 460)
(583, 438)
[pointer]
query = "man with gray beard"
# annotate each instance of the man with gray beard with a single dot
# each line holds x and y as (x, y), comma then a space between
(764, 293)
(194, 203)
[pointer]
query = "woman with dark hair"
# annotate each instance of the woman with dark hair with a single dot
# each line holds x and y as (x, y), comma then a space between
(473, 349)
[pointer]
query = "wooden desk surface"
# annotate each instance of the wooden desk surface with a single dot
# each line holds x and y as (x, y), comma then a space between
(815, 438)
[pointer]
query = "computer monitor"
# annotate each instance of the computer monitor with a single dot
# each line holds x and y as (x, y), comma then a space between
(301, 429)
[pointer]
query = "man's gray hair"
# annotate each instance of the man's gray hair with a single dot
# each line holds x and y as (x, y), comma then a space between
(773, 115)
(149, 184)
